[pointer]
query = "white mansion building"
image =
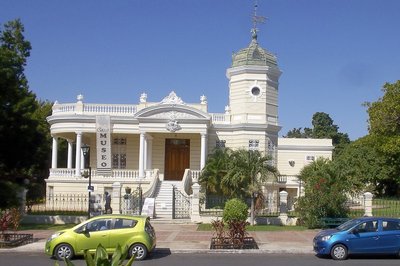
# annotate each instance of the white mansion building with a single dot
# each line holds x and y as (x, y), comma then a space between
(161, 145)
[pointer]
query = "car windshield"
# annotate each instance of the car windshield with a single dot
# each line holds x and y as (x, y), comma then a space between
(347, 225)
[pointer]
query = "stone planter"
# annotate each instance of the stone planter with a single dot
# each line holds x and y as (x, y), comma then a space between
(229, 243)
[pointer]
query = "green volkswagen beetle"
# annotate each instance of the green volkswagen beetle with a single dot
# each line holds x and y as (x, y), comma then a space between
(134, 232)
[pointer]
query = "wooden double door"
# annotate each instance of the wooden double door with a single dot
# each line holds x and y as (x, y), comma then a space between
(177, 158)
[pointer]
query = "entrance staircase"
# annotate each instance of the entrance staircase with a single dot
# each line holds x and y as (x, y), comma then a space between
(163, 201)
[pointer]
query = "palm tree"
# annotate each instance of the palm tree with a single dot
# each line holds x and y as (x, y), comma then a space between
(214, 170)
(247, 172)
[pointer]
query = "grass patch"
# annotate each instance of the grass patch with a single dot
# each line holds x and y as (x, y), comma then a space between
(54, 227)
(208, 227)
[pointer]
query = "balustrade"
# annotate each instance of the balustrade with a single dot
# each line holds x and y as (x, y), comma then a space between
(116, 173)
(114, 109)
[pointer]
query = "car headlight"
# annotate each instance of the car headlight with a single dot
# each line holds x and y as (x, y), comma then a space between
(54, 236)
(326, 238)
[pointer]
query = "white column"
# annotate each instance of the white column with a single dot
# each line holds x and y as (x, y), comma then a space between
(283, 208)
(70, 149)
(145, 154)
(368, 196)
(83, 163)
(54, 153)
(116, 198)
(78, 154)
(141, 155)
(149, 151)
(203, 153)
(195, 215)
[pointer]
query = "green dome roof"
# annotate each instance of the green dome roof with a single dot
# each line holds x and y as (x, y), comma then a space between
(254, 55)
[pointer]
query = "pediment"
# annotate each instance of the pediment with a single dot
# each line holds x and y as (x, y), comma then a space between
(171, 112)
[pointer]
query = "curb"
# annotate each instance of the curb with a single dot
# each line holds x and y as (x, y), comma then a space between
(38, 247)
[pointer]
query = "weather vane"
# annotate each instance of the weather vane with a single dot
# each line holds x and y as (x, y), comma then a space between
(256, 19)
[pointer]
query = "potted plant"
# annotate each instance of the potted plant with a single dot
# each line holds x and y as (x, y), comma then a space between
(235, 216)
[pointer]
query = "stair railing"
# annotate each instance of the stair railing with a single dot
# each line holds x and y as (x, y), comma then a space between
(151, 192)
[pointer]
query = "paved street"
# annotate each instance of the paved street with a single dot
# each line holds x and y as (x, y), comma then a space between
(202, 259)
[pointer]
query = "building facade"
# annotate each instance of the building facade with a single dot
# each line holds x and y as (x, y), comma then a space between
(162, 146)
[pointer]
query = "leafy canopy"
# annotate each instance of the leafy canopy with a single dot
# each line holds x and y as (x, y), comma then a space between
(323, 127)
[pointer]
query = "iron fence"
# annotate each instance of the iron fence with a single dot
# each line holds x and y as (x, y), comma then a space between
(181, 205)
(132, 203)
(388, 207)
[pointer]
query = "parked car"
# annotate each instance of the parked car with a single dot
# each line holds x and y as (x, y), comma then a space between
(134, 232)
(367, 235)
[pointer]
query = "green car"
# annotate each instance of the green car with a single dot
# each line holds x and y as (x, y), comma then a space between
(134, 232)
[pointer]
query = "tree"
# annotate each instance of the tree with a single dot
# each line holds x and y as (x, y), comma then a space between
(214, 171)
(247, 173)
(24, 134)
(384, 135)
(237, 174)
(365, 166)
(325, 192)
(323, 127)
(384, 114)
(18, 135)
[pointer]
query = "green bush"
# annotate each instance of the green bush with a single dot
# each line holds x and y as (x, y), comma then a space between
(325, 194)
(235, 210)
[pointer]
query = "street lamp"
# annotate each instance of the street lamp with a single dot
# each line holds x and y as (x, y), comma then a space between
(86, 151)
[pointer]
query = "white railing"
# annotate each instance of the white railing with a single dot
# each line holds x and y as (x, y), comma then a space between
(220, 118)
(93, 108)
(62, 172)
(64, 108)
(288, 179)
(116, 173)
(195, 175)
(115, 109)
(187, 182)
(125, 174)
(155, 179)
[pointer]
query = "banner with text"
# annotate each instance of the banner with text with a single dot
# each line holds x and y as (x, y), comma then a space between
(103, 141)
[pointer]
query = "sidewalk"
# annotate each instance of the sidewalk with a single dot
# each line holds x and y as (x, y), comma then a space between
(184, 238)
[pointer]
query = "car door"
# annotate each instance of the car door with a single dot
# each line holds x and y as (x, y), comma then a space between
(123, 231)
(95, 232)
(390, 236)
(365, 238)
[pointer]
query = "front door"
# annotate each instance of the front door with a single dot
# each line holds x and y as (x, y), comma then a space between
(177, 158)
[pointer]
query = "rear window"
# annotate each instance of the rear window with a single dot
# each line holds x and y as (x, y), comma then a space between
(124, 223)
(390, 225)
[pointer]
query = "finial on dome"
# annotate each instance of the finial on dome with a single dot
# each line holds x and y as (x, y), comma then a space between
(256, 19)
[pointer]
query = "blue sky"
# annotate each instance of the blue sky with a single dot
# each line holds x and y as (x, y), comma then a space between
(334, 54)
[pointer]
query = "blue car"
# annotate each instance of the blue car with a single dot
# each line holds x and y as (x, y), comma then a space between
(366, 235)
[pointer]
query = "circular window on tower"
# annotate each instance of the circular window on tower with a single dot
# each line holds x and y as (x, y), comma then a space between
(255, 91)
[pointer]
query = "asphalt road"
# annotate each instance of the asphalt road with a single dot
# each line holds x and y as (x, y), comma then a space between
(207, 259)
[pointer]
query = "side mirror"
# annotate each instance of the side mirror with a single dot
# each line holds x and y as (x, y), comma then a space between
(82, 230)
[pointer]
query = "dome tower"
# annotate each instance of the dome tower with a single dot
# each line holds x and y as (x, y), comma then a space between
(253, 88)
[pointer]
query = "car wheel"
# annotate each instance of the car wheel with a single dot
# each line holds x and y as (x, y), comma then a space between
(139, 251)
(63, 251)
(339, 252)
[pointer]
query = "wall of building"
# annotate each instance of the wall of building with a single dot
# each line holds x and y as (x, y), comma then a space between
(300, 152)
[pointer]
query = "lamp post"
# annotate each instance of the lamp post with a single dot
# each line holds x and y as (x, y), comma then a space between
(86, 151)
